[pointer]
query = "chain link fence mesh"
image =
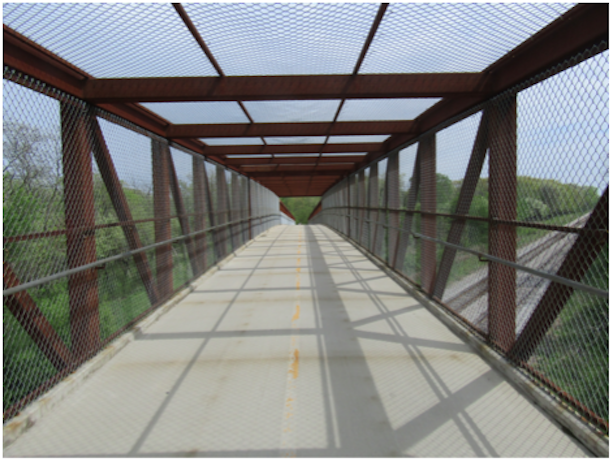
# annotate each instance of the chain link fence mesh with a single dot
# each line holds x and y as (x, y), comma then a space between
(82, 188)
(498, 214)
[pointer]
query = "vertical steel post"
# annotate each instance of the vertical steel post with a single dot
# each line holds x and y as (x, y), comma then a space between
(198, 173)
(161, 207)
(79, 209)
(392, 198)
(361, 205)
(249, 188)
(428, 204)
(181, 212)
(407, 225)
(503, 206)
(373, 202)
(236, 206)
(347, 200)
(222, 210)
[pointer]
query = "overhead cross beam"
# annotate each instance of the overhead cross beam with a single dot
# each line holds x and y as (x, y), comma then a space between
(291, 149)
(284, 87)
(289, 129)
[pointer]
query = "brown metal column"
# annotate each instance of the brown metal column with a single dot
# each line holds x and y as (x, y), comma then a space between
(407, 225)
(80, 222)
(428, 204)
(373, 202)
(235, 211)
(199, 192)
(181, 211)
(392, 201)
(212, 218)
(503, 206)
(347, 202)
(362, 205)
(222, 210)
(161, 207)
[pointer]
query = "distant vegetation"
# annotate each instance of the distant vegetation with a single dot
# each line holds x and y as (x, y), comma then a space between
(301, 207)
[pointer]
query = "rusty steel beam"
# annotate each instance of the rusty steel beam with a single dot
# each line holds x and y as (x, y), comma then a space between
(467, 191)
(161, 209)
(121, 206)
(290, 149)
(392, 200)
(272, 161)
(30, 58)
(280, 87)
(182, 212)
(407, 224)
(79, 211)
(285, 210)
(288, 129)
(307, 168)
(194, 31)
(502, 238)
(34, 322)
(325, 173)
(428, 204)
(370, 37)
(222, 209)
(315, 211)
(577, 262)
(582, 27)
(199, 197)
(235, 211)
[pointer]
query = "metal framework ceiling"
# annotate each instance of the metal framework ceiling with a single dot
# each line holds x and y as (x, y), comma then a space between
(295, 96)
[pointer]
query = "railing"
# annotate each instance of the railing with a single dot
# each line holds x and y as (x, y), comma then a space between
(103, 222)
(501, 216)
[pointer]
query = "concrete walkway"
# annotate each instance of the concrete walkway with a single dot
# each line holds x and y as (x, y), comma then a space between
(299, 346)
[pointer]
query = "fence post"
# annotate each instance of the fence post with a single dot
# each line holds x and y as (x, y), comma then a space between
(79, 210)
(392, 203)
(373, 202)
(161, 207)
(181, 211)
(428, 204)
(236, 205)
(362, 205)
(222, 215)
(503, 206)
(407, 224)
(198, 172)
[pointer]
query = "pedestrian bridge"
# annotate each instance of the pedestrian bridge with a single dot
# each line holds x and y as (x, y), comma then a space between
(300, 345)
(447, 296)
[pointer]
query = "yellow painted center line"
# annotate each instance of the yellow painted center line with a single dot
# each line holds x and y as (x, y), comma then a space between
(288, 433)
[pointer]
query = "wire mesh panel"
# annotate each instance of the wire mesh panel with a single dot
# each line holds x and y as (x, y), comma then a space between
(501, 215)
(104, 221)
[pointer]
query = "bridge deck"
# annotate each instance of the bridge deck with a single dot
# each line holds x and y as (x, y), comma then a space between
(297, 346)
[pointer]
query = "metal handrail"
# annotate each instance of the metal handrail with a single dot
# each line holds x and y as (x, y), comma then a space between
(104, 261)
(485, 256)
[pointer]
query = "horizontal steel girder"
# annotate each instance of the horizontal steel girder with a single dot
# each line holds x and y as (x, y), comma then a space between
(289, 129)
(286, 87)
